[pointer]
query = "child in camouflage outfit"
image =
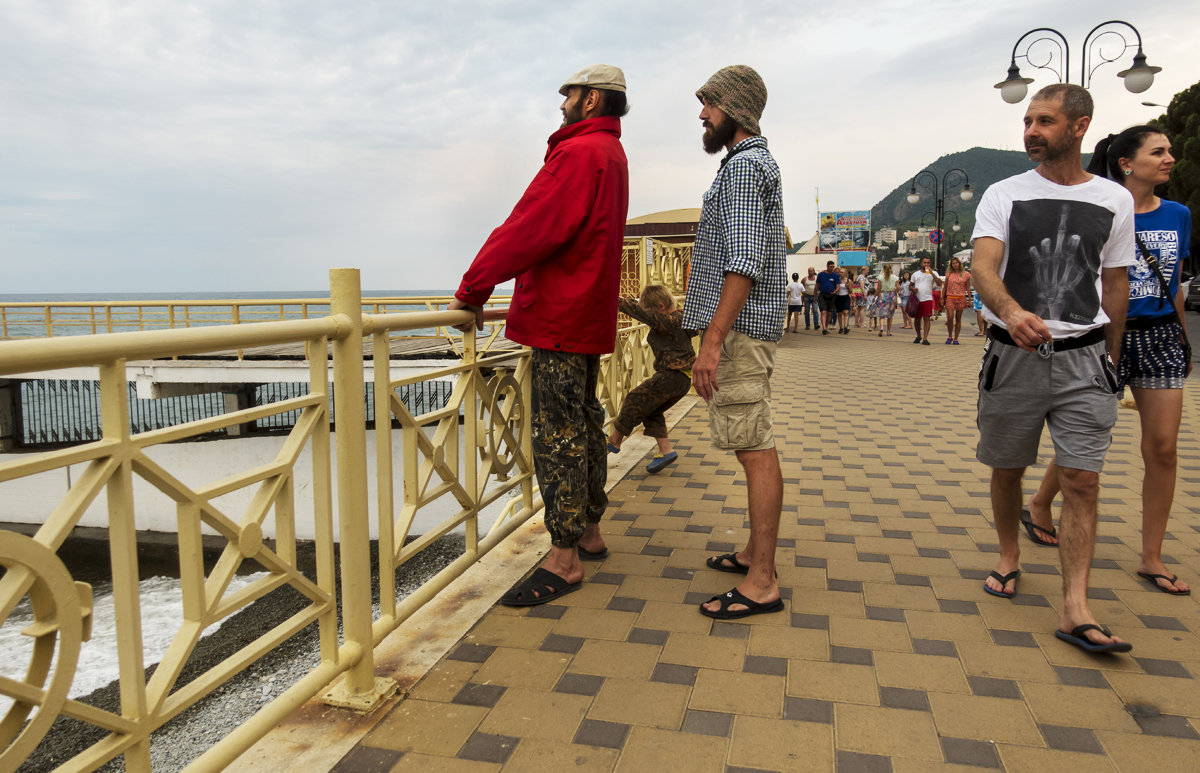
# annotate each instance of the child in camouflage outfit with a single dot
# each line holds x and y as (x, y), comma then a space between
(647, 403)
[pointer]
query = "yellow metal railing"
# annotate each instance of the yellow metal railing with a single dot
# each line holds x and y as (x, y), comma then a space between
(30, 319)
(491, 465)
(667, 266)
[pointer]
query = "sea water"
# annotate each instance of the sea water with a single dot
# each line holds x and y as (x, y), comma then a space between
(28, 323)
(162, 615)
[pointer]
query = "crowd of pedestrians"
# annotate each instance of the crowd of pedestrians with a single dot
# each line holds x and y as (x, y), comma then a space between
(847, 299)
(1077, 306)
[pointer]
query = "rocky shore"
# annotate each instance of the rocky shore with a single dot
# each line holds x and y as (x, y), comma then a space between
(187, 736)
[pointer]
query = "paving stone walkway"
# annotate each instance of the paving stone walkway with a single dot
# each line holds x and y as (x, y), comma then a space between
(888, 656)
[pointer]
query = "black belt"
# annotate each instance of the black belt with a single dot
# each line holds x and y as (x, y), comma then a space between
(1094, 336)
(1145, 323)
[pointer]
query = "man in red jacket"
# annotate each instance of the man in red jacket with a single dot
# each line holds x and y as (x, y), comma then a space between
(562, 243)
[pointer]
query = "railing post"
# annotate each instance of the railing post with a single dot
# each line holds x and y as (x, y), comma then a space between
(384, 472)
(237, 320)
(360, 689)
(122, 540)
(473, 439)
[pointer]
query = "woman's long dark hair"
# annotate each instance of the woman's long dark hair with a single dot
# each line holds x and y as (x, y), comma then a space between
(1110, 150)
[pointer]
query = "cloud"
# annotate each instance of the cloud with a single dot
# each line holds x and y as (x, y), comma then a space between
(240, 146)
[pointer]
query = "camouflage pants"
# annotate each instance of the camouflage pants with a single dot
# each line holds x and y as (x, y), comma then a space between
(569, 448)
(648, 401)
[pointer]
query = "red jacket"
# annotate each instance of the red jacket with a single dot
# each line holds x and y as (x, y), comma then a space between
(562, 242)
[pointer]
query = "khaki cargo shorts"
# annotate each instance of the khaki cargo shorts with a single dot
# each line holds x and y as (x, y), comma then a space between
(739, 415)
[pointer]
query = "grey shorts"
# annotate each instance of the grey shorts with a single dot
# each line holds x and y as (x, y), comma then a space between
(739, 415)
(1074, 392)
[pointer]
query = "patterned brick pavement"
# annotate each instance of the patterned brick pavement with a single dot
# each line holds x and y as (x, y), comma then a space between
(888, 656)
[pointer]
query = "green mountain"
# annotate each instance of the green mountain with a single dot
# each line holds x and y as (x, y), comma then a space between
(983, 166)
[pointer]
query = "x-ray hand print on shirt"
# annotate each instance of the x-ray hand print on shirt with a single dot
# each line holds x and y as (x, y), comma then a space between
(1054, 257)
(1056, 269)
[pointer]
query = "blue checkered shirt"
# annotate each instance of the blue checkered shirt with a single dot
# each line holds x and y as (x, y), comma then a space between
(741, 231)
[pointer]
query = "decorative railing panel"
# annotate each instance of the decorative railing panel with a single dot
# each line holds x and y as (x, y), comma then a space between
(63, 612)
(668, 265)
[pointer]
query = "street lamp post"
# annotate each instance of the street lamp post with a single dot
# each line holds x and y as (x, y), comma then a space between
(939, 202)
(956, 227)
(1137, 78)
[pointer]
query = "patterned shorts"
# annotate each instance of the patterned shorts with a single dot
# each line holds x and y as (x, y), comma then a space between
(1153, 358)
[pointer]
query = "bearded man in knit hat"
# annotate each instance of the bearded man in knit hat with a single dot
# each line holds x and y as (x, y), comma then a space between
(562, 243)
(735, 299)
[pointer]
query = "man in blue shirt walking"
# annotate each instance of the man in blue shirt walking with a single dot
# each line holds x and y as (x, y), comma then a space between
(827, 284)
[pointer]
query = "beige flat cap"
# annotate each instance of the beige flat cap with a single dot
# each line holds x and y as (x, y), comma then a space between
(596, 76)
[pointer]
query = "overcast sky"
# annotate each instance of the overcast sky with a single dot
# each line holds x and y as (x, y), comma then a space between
(243, 145)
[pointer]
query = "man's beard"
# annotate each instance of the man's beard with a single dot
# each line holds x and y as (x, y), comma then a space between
(718, 136)
(1049, 151)
(573, 114)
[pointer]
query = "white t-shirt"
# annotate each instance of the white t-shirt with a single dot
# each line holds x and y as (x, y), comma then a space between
(795, 290)
(924, 283)
(1057, 238)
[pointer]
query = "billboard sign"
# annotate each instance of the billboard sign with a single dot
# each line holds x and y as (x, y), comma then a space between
(849, 230)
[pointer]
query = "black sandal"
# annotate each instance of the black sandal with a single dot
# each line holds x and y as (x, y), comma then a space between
(729, 598)
(1076, 637)
(1004, 580)
(538, 588)
(1032, 529)
(591, 555)
(727, 563)
(1153, 579)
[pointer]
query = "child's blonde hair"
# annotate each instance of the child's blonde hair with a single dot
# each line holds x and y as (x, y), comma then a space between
(657, 296)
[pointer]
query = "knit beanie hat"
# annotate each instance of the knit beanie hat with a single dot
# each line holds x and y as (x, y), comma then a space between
(739, 92)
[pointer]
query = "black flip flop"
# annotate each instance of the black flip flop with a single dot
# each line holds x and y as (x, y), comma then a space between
(1154, 578)
(1032, 529)
(729, 598)
(538, 588)
(1076, 637)
(719, 563)
(1004, 580)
